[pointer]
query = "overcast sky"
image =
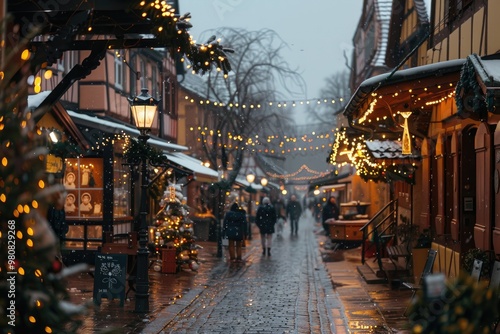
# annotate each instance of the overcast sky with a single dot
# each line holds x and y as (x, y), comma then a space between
(318, 32)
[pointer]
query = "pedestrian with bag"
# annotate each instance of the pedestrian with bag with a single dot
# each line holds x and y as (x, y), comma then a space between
(265, 220)
(294, 210)
(235, 222)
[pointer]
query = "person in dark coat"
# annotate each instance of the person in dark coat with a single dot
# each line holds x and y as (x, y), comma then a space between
(265, 219)
(235, 222)
(330, 210)
(294, 210)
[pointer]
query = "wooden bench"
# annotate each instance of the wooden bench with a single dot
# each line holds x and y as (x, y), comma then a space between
(394, 253)
(397, 251)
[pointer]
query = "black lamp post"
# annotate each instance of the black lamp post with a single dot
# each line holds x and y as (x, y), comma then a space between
(250, 178)
(143, 108)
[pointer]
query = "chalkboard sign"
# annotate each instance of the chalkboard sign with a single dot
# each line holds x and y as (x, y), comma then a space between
(109, 277)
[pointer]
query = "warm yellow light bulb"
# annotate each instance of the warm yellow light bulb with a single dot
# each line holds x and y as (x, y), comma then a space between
(25, 55)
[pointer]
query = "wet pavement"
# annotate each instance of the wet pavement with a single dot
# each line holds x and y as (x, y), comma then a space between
(302, 288)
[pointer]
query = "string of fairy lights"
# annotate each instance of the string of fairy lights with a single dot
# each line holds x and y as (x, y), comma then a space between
(416, 101)
(353, 150)
(293, 176)
(277, 104)
(304, 143)
(124, 140)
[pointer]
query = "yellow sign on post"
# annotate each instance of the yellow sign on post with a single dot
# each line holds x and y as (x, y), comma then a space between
(53, 164)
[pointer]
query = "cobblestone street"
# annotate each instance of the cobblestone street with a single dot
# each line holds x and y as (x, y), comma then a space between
(296, 290)
(287, 292)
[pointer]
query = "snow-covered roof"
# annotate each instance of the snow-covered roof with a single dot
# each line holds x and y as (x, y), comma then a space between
(201, 172)
(488, 70)
(370, 85)
(423, 9)
(428, 8)
(35, 100)
(111, 126)
(387, 149)
(269, 164)
(195, 84)
(383, 10)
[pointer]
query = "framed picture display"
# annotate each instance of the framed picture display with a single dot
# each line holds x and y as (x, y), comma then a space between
(83, 181)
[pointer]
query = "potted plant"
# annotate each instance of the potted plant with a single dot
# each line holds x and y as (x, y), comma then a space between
(476, 253)
(462, 306)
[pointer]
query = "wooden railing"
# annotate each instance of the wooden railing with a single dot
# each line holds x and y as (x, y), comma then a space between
(378, 229)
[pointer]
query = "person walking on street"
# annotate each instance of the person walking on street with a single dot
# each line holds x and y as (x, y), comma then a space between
(330, 210)
(265, 220)
(234, 229)
(294, 210)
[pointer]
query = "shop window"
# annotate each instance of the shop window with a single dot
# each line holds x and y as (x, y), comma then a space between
(456, 10)
(83, 181)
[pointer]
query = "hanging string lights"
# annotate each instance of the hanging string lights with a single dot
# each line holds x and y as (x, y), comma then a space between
(417, 97)
(294, 176)
(282, 144)
(277, 104)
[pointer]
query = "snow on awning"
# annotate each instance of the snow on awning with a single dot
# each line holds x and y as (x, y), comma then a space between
(388, 149)
(109, 125)
(375, 105)
(200, 172)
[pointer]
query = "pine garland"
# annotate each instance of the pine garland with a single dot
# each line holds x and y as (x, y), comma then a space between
(468, 83)
(136, 149)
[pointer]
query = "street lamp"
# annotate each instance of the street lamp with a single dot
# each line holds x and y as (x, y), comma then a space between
(143, 108)
(250, 179)
(263, 181)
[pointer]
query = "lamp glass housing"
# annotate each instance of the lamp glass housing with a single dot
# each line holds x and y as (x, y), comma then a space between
(263, 182)
(143, 108)
(250, 177)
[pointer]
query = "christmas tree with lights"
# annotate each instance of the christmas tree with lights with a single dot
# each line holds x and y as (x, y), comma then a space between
(174, 229)
(34, 296)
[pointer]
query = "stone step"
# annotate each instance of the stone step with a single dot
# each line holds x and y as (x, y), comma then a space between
(390, 273)
(369, 275)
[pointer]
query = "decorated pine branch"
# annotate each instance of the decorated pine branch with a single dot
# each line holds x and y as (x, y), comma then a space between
(34, 296)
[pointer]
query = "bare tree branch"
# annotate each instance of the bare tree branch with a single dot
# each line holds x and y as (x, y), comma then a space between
(259, 75)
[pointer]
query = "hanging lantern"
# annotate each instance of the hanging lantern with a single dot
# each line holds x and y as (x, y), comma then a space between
(406, 143)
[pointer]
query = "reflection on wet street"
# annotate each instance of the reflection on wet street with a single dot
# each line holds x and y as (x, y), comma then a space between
(301, 288)
(165, 289)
